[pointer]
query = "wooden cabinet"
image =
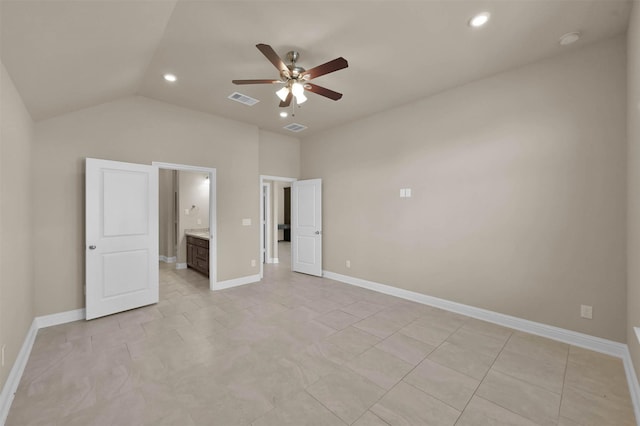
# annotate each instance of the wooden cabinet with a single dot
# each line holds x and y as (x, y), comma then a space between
(198, 254)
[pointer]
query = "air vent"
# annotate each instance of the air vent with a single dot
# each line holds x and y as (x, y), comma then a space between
(243, 99)
(295, 127)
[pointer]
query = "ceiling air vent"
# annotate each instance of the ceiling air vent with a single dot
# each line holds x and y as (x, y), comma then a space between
(243, 99)
(295, 127)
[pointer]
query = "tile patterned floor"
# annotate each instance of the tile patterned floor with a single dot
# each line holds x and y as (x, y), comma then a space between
(300, 350)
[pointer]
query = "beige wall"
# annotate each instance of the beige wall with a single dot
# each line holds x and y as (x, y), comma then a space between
(141, 130)
(166, 213)
(633, 134)
(16, 220)
(519, 187)
(193, 190)
(279, 155)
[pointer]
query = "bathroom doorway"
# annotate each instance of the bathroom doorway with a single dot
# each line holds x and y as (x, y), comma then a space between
(192, 210)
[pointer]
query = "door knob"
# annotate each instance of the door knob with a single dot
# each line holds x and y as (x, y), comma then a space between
(317, 232)
(92, 247)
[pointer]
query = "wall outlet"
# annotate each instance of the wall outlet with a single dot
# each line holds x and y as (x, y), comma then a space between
(586, 311)
(3, 348)
(186, 212)
(199, 221)
(348, 264)
(253, 263)
(405, 193)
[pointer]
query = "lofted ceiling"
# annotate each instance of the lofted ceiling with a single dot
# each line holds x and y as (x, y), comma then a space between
(67, 55)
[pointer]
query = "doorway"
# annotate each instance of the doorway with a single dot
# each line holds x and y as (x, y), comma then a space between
(206, 183)
(271, 215)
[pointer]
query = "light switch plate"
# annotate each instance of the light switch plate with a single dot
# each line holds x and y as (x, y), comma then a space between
(246, 222)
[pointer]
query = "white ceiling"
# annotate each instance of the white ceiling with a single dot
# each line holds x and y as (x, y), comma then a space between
(67, 55)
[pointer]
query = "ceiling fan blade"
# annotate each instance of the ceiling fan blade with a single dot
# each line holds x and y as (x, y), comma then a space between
(286, 102)
(255, 81)
(322, 91)
(326, 68)
(273, 57)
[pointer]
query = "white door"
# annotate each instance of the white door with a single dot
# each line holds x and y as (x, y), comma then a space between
(306, 226)
(121, 231)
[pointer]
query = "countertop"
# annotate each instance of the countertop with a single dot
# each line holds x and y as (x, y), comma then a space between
(198, 233)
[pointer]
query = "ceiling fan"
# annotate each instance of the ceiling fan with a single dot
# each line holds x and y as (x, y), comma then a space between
(295, 78)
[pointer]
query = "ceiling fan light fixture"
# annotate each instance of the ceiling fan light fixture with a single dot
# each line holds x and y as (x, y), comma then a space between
(283, 93)
(297, 89)
(479, 20)
(301, 98)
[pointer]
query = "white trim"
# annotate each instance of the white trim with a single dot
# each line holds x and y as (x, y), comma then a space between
(166, 259)
(632, 381)
(278, 178)
(596, 344)
(213, 221)
(263, 178)
(15, 375)
(273, 260)
(265, 223)
(11, 385)
(221, 285)
(574, 338)
(60, 318)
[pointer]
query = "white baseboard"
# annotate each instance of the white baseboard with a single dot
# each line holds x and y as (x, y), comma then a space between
(13, 380)
(166, 259)
(60, 318)
(181, 266)
(597, 344)
(221, 285)
(632, 381)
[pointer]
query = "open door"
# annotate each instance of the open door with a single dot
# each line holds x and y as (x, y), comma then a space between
(306, 224)
(121, 231)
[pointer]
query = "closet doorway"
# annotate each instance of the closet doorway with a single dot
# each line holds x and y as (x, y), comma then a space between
(273, 217)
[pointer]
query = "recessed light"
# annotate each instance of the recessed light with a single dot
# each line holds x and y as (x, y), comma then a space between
(569, 38)
(479, 20)
(170, 77)
(284, 114)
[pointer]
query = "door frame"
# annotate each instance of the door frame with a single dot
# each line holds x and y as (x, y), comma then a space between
(264, 178)
(213, 230)
(265, 221)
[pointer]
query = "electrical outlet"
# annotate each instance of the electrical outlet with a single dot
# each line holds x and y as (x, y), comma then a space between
(348, 264)
(3, 348)
(253, 262)
(586, 311)
(199, 221)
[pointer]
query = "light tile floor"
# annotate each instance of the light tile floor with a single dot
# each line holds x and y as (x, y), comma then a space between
(301, 350)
